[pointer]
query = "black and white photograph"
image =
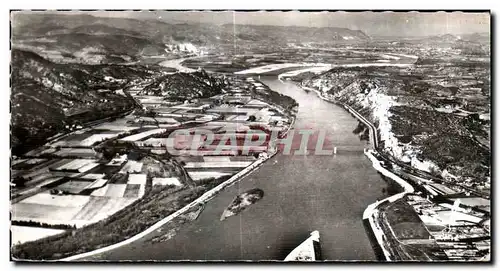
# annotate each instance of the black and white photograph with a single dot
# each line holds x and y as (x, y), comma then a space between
(250, 136)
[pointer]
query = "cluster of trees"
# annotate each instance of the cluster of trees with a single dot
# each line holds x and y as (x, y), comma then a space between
(284, 101)
(19, 181)
(32, 223)
(111, 148)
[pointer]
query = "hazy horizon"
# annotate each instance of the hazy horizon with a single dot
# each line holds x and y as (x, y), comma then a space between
(372, 23)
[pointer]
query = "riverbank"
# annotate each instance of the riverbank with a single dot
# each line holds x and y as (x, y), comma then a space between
(199, 201)
(370, 215)
(300, 191)
(381, 225)
(167, 205)
(203, 199)
(404, 236)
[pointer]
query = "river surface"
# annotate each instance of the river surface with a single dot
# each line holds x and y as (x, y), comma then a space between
(302, 193)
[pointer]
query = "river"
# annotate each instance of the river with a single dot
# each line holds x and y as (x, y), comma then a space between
(302, 193)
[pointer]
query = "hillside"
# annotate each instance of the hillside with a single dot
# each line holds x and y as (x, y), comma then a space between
(185, 86)
(92, 40)
(91, 48)
(436, 123)
(45, 95)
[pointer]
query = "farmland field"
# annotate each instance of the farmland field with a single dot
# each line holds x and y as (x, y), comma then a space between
(98, 183)
(73, 187)
(93, 176)
(223, 159)
(23, 234)
(79, 152)
(242, 158)
(28, 164)
(77, 209)
(236, 164)
(115, 190)
(137, 179)
(50, 214)
(139, 136)
(93, 139)
(59, 163)
(112, 206)
(104, 169)
(101, 207)
(101, 192)
(132, 191)
(73, 139)
(76, 164)
(63, 201)
(92, 207)
(119, 178)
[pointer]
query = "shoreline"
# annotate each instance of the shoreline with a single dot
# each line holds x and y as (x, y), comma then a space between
(203, 199)
(371, 210)
(207, 196)
(377, 232)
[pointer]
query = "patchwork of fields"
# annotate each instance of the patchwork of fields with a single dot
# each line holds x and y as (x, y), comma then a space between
(71, 182)
(80, 201)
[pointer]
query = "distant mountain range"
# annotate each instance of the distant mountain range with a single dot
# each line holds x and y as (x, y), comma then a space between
(474, 37)
(483, 37)
(89, 39)
(51, 24)
(297, 33)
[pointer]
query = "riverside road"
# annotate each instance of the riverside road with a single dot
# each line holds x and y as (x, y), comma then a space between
(302, 193)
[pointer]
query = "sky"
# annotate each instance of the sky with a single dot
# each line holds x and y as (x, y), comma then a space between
(372, 23)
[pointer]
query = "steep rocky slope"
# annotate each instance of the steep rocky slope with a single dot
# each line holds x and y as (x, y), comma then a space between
(45, 95)
(439, 128)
